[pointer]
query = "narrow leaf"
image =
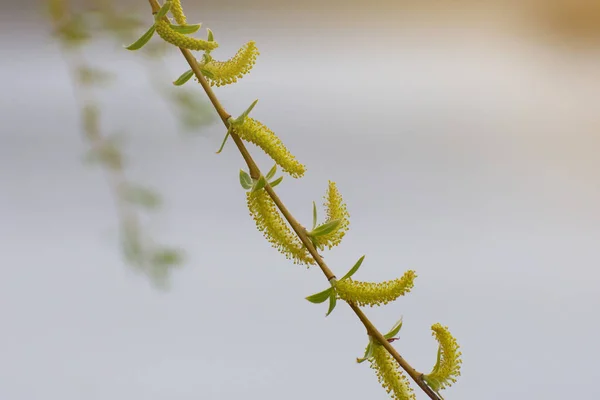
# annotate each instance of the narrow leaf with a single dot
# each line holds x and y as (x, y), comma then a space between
(394, 331)
(207, 73)
(163, 10)
(186, 29)
(211, 37)
(245, 180)
(332, 302)
(320, 297)
(243, 116)
(183, 78)
(271, 172)
(314, 215)
(354, 268)
(326, 228)
(276, 182)
(368, 353)
(138, 44)
(259, 184)
(226, 136)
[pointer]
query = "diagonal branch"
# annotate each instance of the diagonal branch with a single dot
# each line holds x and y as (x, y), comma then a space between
(296, 226)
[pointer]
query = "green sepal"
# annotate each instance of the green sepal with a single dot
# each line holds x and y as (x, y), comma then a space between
(353, 269)
(276, 182)
(207, 73)
(325, 228)
(229, 128)
(368, 353)
(314, 215)
(245, 180)
(394, 331)
(163, 11)
(240, 120)
(183, 78)
(320, 297)
(260, 183)
(138, 44)
(332, 302)
(186, 29)
(271, 172)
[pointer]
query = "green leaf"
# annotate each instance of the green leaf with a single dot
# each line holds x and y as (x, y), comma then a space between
(354, 268)
(167, 257)
(394, 331)
(186, 29)
(314, 215)
(245, 180)
(142, 196)
(276, 182)
(229, 128)
(368, 353)
(259, 184)
(332, 302)
(239, 120)
(320, 297)
(163, 10)
(271, 172)
(138, 44)
(211, 37)
(183, 78)
(207, 73)
(326, 228)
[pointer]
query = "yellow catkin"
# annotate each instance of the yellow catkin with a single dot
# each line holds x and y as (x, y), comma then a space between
(165, 31)
(447, 369)
(374, 294)
(336, 209)
(226, 72)
(255, 132)
(389, 374)
(177, 12)
(270, 222)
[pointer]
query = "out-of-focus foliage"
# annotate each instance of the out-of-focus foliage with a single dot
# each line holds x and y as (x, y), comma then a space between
(76, 26)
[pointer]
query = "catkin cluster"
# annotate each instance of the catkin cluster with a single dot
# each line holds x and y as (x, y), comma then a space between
(270, 222)
(374, 294)
(164, 30)
(226, 72)
(274, 228)
(255, 132)
(447, 367)
(389, 374)
(336, 210)
(177, 12)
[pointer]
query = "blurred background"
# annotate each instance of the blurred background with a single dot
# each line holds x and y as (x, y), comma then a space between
(463, 136)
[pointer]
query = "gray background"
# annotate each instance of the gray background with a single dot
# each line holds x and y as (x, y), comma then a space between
(465, 146)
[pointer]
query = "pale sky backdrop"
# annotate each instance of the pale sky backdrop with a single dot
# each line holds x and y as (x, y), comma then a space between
(465, 147)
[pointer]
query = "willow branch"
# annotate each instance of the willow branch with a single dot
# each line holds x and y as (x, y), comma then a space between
(296, 226)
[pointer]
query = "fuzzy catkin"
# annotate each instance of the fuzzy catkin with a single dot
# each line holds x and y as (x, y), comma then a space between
(255, 132)
(227, 72)
(270, 222)
(336, 210)
(177, 12)
(447, 369)
(389, 374)
(374, 294)
(165, 31)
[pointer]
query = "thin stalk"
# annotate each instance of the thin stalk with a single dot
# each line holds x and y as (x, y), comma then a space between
(296, 226)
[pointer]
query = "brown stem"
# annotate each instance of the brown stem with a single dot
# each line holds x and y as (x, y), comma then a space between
(296, 226)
